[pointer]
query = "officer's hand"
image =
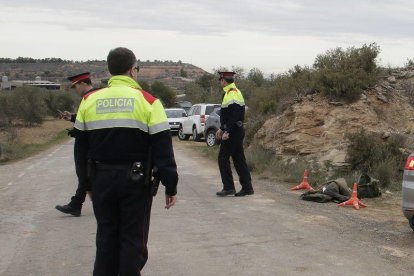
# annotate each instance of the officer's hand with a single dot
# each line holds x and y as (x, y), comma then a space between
(66, 115)
(219, 133)
(71, 132)
(170, 201)
(225, 136)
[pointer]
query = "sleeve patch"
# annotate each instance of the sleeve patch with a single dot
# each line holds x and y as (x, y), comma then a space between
(90, 93)
(232, 90)
(150, 98)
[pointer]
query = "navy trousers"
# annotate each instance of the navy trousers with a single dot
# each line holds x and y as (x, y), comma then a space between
(83, 184)
(122, 210)
(233, 147)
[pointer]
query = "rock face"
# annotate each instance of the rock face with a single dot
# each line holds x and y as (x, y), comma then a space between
(317, 128)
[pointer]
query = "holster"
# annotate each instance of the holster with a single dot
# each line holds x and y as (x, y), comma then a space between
(155, 181)
(136, 173)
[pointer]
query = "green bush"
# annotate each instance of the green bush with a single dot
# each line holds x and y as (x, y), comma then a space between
(368, 153)
(384, 171)
(55, 101)
(256, 76)
(7, 113)
(29, 105)
(164, 93)
(343, 74)
(264, 162)
(205, 89)
(409, 63)
(258, 158)
(254, 123)
(408, 89)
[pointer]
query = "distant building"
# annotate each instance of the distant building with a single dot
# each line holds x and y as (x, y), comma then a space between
(5, 84)
(11, 85)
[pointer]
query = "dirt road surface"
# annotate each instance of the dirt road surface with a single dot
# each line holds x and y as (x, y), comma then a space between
(270, 233)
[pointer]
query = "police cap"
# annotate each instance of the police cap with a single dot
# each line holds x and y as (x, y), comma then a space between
(77, 78)
(226, 75)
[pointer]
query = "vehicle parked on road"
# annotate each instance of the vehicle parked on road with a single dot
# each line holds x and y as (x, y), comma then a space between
(175, 118)
(194, 124)
(408, 190)
(211, 127)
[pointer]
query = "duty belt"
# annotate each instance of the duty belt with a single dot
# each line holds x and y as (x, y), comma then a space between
(113, 166)
(238, 124)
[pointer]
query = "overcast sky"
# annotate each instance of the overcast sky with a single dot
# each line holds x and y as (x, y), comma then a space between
(272, 35)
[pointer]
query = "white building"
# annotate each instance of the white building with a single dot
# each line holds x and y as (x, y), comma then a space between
(11, 85)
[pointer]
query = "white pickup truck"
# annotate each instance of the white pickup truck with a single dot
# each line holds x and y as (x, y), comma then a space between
(193, 125)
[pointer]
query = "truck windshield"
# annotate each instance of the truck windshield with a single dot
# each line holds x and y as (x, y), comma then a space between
(174, 113)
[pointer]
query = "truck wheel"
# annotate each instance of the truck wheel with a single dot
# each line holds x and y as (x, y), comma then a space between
(181, 134)
(196, 136)
(211, 138)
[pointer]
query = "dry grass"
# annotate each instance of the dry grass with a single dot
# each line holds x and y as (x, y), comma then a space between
(42, 134)
(21, 141)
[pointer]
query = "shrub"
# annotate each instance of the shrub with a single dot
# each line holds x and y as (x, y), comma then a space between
(343, 74)
(164, 93)
(258, 158)
(384, 172)
(256, 76)
(368, 153)
(197, 94)
(6, 109)
(55, 101)
(409, 63)
(28, 104)
(408, 89)
(254, 123)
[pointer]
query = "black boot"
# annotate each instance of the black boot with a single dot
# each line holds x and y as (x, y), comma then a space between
(245, 192)
(226, 192)
(67, 209)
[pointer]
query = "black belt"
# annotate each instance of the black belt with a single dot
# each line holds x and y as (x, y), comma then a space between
(113, 166)
(238, 124)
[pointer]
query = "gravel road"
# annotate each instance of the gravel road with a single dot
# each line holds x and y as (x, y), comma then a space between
(270, 233)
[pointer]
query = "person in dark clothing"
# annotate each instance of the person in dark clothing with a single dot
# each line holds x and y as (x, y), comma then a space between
(82, 85)
(231, 134)
(115, 129)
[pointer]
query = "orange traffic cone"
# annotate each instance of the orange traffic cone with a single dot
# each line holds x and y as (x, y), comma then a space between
(304, 185)
(354, 200)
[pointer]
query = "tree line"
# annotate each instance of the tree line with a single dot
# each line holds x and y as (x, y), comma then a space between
(65, 61)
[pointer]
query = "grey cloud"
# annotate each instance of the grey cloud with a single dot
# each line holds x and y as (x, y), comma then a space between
(296, 17)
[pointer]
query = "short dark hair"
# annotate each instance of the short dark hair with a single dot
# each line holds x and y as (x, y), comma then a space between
(120, 60)
(229, 80)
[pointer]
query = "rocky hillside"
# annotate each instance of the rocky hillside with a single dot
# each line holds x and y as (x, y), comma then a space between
(315, 127)
(173, 74)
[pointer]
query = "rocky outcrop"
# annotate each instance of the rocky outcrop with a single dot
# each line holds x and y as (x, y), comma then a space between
(314, 127)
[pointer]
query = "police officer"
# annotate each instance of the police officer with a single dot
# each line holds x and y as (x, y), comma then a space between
(82, 85)
(231, 134)
(115, 128)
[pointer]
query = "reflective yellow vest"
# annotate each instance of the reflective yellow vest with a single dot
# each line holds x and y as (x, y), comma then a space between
(122, 104)
(232, 95)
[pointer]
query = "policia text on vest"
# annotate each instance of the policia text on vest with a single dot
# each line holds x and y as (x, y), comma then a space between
(114, 105)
